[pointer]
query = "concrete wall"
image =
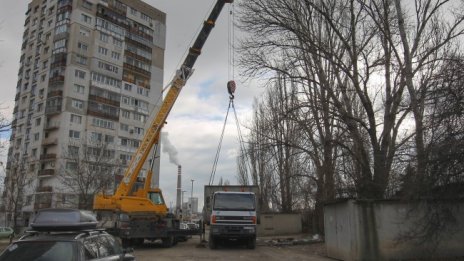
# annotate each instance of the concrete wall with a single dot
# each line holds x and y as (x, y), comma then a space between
(279, 224)
(375, 230)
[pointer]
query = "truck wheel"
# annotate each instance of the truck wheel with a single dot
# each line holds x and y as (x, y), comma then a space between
(168, 241)
(251, 243)
(212, 242)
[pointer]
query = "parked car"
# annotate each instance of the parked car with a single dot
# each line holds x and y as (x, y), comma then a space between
(65, 235)
(6, 232)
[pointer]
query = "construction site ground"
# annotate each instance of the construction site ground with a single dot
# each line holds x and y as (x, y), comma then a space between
(295, 247)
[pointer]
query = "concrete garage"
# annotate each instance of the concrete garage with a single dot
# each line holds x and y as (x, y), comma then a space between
(376, 229)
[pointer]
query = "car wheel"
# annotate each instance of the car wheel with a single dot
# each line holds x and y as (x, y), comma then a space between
(168, 241)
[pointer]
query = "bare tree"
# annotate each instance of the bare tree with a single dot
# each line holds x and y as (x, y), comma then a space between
(15, 184)
(88, 168)
(353, 50)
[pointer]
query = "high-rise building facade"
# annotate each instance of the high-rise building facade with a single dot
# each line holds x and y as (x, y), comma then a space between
(91, 74)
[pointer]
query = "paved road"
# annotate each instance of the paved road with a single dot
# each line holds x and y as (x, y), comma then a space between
(192, 250)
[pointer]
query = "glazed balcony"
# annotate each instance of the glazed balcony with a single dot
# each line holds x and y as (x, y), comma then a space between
(50, 156)
(46, 172)
(45, 189)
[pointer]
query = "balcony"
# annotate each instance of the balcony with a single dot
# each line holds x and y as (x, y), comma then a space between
(56, 79)
(64, 4)
(136, 69)
(53, 125)
(102, 114)
(13, 123)
(51, 110)
(57, 93)
(50, 142)
(45, 189)
(50, 156)
(46, 172)
(104, 100)
(17, 96)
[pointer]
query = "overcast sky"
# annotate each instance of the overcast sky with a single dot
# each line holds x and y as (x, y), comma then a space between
(195, 123)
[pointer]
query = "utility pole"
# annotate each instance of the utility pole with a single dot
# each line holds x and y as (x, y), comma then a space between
(191, 201)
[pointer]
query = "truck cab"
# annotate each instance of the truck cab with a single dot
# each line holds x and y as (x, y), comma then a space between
(233, 216)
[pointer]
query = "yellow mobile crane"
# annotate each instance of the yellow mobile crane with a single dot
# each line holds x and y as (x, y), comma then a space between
(143, 214)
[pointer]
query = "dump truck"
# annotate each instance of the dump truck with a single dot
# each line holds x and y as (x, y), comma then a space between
(231, 213)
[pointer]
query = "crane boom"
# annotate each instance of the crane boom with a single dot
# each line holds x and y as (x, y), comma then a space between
(152, 134)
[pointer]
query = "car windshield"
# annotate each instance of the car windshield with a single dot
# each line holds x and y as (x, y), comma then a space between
(230, 201)
(41, 251)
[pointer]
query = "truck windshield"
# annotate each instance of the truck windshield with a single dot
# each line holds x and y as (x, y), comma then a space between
(226, 201)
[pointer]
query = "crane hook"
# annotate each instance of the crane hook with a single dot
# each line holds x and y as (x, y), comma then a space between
(231, 88)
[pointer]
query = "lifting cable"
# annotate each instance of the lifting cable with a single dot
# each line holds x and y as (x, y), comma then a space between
(216, 158)
(231, 89)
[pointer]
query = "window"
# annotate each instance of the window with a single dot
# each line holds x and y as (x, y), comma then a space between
(133, 11)
(79, 74)
(124, 127)
(81, 60)
(124, 142)
(109, 139)
(76, 118)
(115, 55)
(102, 50)
(103, 79)
(127, 87)
(125, 114)
(84, 32)
(135, 143)
(61, 29)
(36, 136)
(96, 136)
(103, 37)
(71, 165)
(44, 64)
(117, 42)
(82, 46)
(140, 90)
(86, 19)
(145, 17)
(73, 151)
(74, 134)
(138, 130)
(79, 88)
(103, 123)
(38, 121)
(107, 67)
(78, 104)
(125, 100)
(87, 5)
(139, 117)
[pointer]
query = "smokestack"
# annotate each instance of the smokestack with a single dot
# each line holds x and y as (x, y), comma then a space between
(179, 188)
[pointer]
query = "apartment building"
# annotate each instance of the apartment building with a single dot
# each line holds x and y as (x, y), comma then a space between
(90, 78)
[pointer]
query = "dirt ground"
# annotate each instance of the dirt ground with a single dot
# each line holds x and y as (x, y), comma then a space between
(266, 250)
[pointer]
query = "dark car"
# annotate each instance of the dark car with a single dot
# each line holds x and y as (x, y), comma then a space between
(65, 235)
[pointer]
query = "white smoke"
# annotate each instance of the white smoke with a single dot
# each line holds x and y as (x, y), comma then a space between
(169, 148)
